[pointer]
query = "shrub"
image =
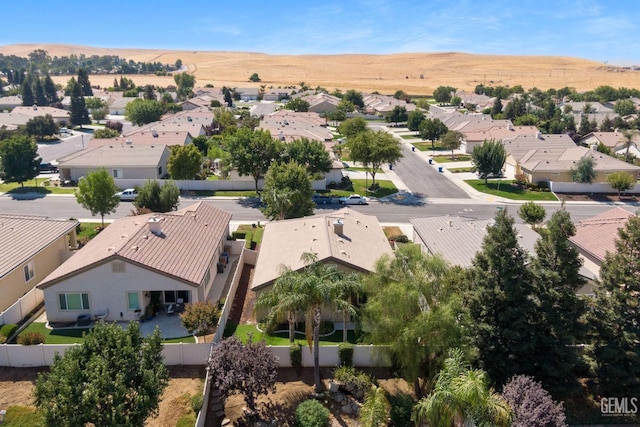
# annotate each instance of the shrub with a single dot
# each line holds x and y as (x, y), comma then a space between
(111, 124)
(196, 402)
(345, 351)
(346, 183)
(326, 327)
(8, 329)
(401, 407)
(295, 354)
(31, 338)
(239, 234)
(311, 413)
(402, 239)
(3, 339)
(543, 185)
(354, 381)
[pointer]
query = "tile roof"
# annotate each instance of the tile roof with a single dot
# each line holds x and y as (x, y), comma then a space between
(149, 137)
(360, 245)
(34, 111)
(184, 249)
(597, 235)
(23, 236)
(115, 154)
(457, 238)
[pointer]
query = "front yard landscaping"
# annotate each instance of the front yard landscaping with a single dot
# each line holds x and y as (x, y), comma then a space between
(426, 146)
(509, 190)
(460, 170)
(448, 159)
(359, 187)
(32, 186)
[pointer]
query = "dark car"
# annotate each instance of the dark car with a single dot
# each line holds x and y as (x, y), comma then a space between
(321, 199)
(48, 168)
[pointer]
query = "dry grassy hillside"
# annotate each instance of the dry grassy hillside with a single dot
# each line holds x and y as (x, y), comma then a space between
(415, 73)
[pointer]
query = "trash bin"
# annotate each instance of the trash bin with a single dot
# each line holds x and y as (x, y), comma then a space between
(413, 148)
(439, 168)
(430, 161)
(390, 167)
(83, 320)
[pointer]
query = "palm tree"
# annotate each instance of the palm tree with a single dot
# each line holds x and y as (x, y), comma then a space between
(375, 409)
(283, 300)
(462, 395)
(627, 141)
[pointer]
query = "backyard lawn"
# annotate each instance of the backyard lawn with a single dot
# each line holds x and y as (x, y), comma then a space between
(507, 190)
(282, 338)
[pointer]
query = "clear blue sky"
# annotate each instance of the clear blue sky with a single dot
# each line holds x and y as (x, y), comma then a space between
(600, 30)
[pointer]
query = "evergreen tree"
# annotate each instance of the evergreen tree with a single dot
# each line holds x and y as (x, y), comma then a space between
(50, 90)
(27, 94)
(38, 91)
(78, 110)
(83, 81)
(500, 305)
(616, 316)
(560, 313)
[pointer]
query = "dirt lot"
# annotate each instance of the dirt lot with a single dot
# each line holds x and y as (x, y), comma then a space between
(17, 384)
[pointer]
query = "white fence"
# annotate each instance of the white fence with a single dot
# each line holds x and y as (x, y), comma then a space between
(220, 185)
(18, 310)
(21, 356)
(575, 187)
(365, 356)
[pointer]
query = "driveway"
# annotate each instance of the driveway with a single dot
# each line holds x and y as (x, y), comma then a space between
(424, 179)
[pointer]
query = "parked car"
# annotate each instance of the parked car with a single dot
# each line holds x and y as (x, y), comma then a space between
(354, 199)
(491, 175)
(64, 130)
(48, 168)
(321, 199)
(127, 195)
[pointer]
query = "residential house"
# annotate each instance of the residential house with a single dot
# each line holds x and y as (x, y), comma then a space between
(155, 260)
(457, 239)
(383, 104)
(481, 101)
(117, 105)
(248, 93)
(345, 238)
(506, 133)
(322, 102)
(288, 125)
(612, 140)
(10, 102)
(31, 247)
(59, 115)
(261, 109)
(279, 94)
(145, 138)
(596, 236)
(12, 120)
(193, 128)
(127, 161)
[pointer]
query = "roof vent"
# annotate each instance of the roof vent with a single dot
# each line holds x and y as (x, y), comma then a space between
(128, 141)
(450, 222)
(338, 227)
(539, 135)
(155, 225)
(154, 133)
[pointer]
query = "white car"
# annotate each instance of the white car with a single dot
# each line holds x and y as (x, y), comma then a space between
(128, 195)
(354, 199)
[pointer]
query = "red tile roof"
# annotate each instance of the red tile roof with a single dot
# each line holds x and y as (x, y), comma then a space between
(596, 236)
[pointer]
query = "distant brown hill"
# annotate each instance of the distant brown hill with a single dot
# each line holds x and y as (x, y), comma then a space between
(414, 73)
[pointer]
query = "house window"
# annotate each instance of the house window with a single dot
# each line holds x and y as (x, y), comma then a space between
(29, 271)
(207, 277)
(74, 301)
(133, 300)
(160, 171)
(117, 173)
(117, 267)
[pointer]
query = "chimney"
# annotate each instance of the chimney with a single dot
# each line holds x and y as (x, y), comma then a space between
(509, 126)
(539, 135)
(155, 226)
(450, 222)
(338, 227)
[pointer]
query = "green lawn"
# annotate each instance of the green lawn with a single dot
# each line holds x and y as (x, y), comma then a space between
(30, 186)
(426, 146)
(360, 169)
(447, 159)
(22, 416)
(222, 193)
(75, 335)
(508, 191)
(89, 230)
(386, 188)
(282, 338)
(252, 234)
(409, 136)
(460, 170)
(213, 178)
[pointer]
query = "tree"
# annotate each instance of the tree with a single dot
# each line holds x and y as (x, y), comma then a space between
(373, 149)
(77, 111)
(111, 124)
(250, 370)
(425, 319)
(142, 111)
(615, 315)
(40, 98)
(283, 301)
(621, 181)
(496, 109)
(200, 317)
(531, 405)
(115, 377)
(443, 94)
(251, 152)
(584, 172)
(456, 101)
(559, 324)
(185, 83)
(414, 119)
(375, 409)
(462, 396)
(488, 158)
(298, 105)
(148, 92)
(452, 141)
(97, 193)
(352, 127)
(41, 126)
(224, 119)
(432, 129)
(105, 133)
(94, 103)
(83, 81)
(254, 77)
(158, 199)
(532, 213)
(287, 191)
(354, 97)
(50, 90)
(27, 93)
(178, 64)
(501, 312)
(624, 107)
(19, 161)
(185, 162)
(99, 114)
(309, 153)
(627, 141)
(398, 114)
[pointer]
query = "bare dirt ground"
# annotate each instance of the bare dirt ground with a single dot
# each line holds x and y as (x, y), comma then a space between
(17, 384)
(414, 73)
(292, 389)
(606, 198)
